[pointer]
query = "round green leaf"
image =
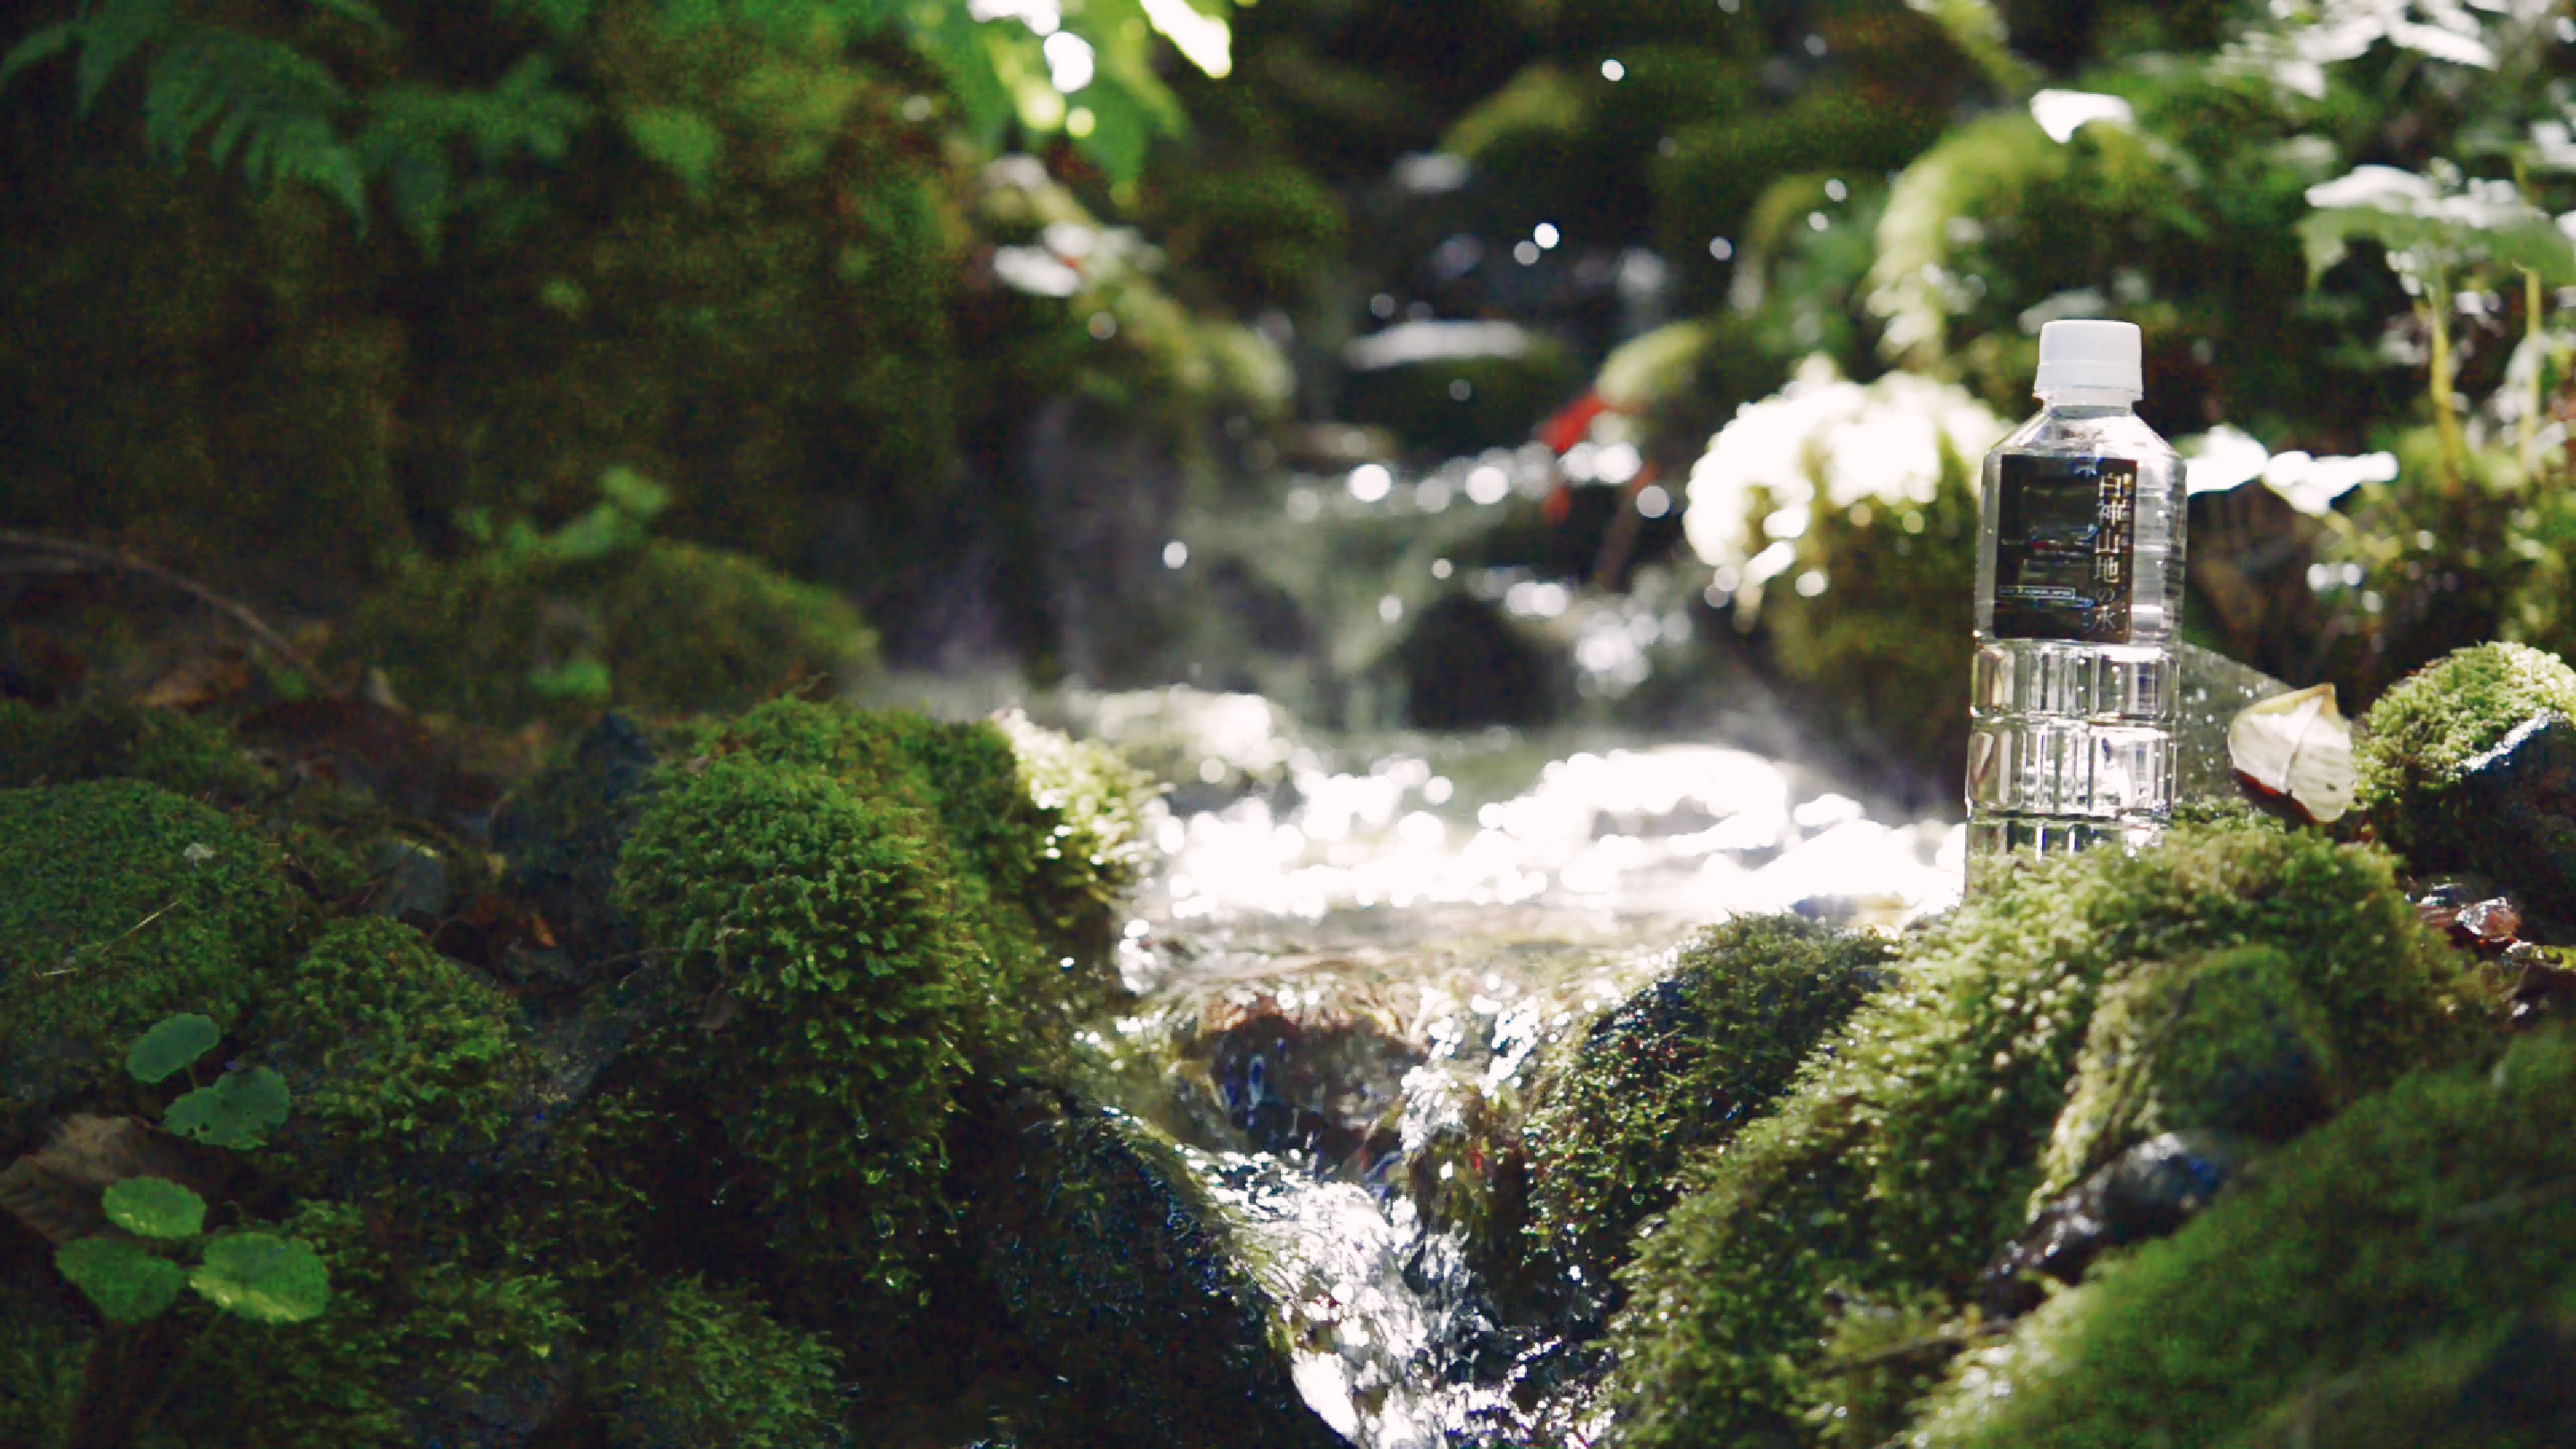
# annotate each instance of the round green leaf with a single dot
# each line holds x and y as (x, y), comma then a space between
(128, 1284)
(172, 1043)
(262, 1276)
(155, 1207)
(237, 1111)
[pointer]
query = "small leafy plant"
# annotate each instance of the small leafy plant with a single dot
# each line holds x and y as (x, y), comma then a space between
(135, 1276)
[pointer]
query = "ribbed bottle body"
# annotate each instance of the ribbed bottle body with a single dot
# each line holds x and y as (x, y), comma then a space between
(2073, 693)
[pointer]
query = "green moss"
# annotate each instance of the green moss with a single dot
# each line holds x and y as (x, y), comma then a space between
(42, 1345)
(2434, 1212)
(693, 1366)
(125, 904)
(1265, 230)
(664, 628)
(408, 1341)
(1096, 815)
(397, 1056)
(1681, 1067)
(180, 753)
(1909, 1152)
(818, 930)
(2414, 742)
(1460, 406)
(2228, 1041)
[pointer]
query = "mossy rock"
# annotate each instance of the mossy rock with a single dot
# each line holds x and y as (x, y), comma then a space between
(664, 628)
(43, 1343)
(1113, 1262)
(1461, 405)
(2470, 763)
(417, 1345)
(2393, 1254)
(180, 753)
(125, 904)
(404, 1064)
(1910, 1150)
(819, 935)
(2228, 1042)
(1678, 1068)
(1885, 648)
(693, 1366)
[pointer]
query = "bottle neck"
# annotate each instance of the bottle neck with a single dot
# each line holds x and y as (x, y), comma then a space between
(2088, 399)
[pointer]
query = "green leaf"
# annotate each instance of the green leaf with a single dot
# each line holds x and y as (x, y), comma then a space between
(264, 1277)
(154, 1207)
(236, 1112)
(271, 102)
(681, 142)
(172, 1043)
(43, 45)
(580, 679)
(2406, 212)
(635, 495)
(128, 1284)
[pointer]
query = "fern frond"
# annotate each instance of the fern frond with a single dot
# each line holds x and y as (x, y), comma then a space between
(271, 103)
(111, 31)
(43, 45)
(410, 130)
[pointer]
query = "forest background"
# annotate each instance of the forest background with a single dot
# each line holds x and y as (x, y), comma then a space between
(521, 354)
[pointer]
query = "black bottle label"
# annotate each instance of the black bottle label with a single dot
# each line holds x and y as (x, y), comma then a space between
(2066, 533)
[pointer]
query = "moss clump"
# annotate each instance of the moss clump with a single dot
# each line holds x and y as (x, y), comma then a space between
(2432, 1213)
(181, 754)
(1038, 864)
(1679, 1067)
(693, 1366)
(817, 929)
(1910, 1150)
(555, 632)
(400, 1060)
(125, 904)
(2228, 1042)
(2414, 743)
(1096, 814)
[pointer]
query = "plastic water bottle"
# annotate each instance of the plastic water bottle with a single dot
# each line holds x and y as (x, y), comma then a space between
(2079, 608)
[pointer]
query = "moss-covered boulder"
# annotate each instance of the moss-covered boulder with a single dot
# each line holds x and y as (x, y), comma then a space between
(818, 936)
(125, 903)
(1680, 1067)
(404, 1064)
(1910, 1151)
(693, 1366)
(2227, 1042)
(558, 630)
(2403, 1271)
(1113, 1262)
(2470, 764)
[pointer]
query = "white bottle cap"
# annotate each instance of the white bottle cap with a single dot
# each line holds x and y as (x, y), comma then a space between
(2090, 355)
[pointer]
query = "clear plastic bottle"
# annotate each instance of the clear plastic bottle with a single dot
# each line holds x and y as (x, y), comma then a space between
(2079, 609)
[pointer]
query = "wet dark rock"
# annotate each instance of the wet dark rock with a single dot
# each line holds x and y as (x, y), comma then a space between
(2544, 987)
(562, 833)
(1314, 1087)
(2147, 1192)
(514, 1409)
(2511, 812)
(1116, 1267)
(406, 879)
(1467, 666)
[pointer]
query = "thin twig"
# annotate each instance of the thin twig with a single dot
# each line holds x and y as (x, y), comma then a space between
(71, 962)
(117, 558)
